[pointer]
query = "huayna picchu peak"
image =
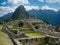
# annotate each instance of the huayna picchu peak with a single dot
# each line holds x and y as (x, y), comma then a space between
(20, 13)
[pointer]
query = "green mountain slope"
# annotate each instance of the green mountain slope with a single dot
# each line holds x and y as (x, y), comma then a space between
(20, 13)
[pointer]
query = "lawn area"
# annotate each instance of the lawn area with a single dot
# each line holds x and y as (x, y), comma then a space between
(4, 39)
(36, 35)
(11, 26)
(0, 28)
(26, 25)
(26, 30)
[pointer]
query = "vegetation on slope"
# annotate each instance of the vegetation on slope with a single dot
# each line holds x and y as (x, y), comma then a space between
(4, 39)
(36, 35)
(20, 13)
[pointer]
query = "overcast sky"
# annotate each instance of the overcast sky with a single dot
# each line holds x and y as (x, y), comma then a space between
(7, 6)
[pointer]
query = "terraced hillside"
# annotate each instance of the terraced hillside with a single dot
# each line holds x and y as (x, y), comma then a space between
(27, 29)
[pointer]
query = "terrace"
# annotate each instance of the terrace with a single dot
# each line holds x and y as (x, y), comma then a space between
(26, 28)
(35, 35)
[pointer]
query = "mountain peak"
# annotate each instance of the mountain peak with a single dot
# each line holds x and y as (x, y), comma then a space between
(20, 13)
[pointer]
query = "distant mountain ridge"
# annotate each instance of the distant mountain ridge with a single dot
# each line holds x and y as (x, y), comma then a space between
(6, 16)
(48, 16)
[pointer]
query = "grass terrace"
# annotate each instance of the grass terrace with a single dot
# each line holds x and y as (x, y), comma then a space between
(35, 35)
(25, 28)
(4, 39)
(0, 27)
(25, 25)
(28, 30)
(11, 26)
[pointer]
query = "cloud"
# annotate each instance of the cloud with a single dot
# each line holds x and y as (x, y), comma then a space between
(53, 1)
(5, 10)
(50, 1)
(31, 7)
(46, 7)
(49, 8)
(3, 3)
(16, 2)
(41, 0)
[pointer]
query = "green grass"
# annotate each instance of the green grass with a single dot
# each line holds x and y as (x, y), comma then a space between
(4, 39)
(26, 25)
(0, 28)
(35, 35)
(26, 30)
(11, 26)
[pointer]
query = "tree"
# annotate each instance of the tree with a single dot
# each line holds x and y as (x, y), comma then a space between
(20, 24)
